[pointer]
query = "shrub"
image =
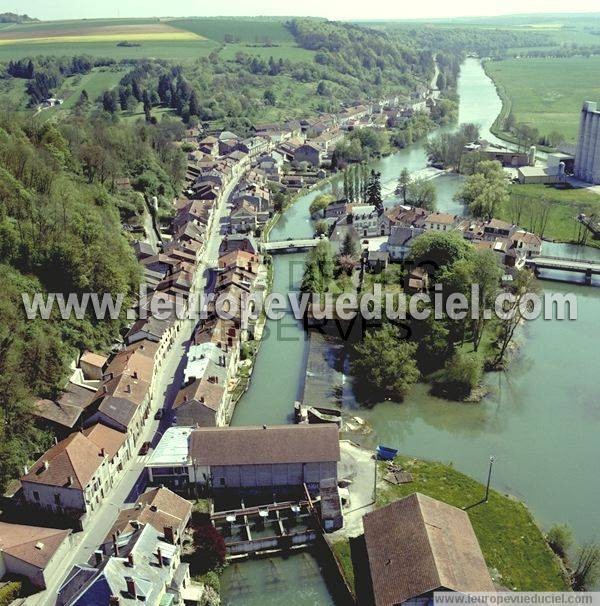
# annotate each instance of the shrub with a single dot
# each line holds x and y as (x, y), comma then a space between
(560, 539)
(10, 592)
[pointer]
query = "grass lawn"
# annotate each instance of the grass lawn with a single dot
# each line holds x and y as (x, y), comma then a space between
(343, 554)
(547, 93)
(566, 204)
(510, 539)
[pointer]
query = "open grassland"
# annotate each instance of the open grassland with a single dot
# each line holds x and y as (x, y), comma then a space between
(289, 52)
(547, 93)
(94, 83)
(241, 29)
(565, 205)
(181, 50)
(510, 539)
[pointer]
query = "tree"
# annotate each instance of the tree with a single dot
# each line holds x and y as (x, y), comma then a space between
(311, 280)
(321, 228)
(210, 547)
(374, 190)
(269, 97)
(461, 374)
(587, 567)
(438, 249)
(385, 361)
(421, 193)
(522, 285)
(346, 264)
(403, 183)
(560, 539)
(486, 190)
(322, 90)
(319, 204)
(147, 106)
(110, 101)
(349, 246)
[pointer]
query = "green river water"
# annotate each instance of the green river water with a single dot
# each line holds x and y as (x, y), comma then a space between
(541, 419)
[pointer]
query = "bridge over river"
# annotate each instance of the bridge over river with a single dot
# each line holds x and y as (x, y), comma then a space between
(589, 268)
(290, 245)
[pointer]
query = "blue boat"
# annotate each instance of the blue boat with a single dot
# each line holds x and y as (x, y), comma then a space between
(386, 454)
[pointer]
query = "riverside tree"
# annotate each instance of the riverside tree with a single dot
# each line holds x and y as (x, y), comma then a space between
(386, 361)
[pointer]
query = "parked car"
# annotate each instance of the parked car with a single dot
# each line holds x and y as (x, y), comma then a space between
(159, 414)
(146, 446)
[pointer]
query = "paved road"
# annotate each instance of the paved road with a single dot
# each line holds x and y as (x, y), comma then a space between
(167, 383)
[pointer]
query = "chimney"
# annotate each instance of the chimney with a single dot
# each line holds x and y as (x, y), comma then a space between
(70, 481)
(131, 590)
(115, 545)
(102, 452)
(159, 556)
(25, 470)
(130, 560)
(169, 534)
(185, 398)
(135, 374)
(128, 388)
(98, 556)
(113, 600)
(46, 464)
(202, 399)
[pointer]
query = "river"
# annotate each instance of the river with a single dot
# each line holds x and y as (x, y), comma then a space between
(541, 419)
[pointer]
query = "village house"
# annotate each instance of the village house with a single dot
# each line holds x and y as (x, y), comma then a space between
(526, 243)
(310, 153)
(366, 220)
(254, 146)
(245, 242)
(400, 241)
(440, 221)
(148, 569)
(377, 260)
(32, 552)
(64, 413)
(327, 141)
(124, 399)
(243, 218)
(418, 545)
(209, 145)
(158, 507)
(495, 228)
(74, 476)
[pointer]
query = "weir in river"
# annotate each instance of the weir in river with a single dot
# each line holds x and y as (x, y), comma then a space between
(541, 419)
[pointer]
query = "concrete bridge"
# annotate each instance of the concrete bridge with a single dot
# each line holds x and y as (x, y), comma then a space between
(589, 268)
(290, 246)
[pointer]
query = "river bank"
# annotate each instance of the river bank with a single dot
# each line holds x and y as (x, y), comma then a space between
(539, 417)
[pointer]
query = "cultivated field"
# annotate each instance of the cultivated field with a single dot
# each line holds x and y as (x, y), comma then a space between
(100, 38)
(548, 93)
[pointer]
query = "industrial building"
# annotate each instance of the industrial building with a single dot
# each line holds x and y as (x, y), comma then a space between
(587, 156)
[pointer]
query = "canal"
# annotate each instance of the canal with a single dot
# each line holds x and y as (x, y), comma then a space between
(541, 419)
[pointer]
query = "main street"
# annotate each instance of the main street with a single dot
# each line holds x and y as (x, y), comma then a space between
(167, 380)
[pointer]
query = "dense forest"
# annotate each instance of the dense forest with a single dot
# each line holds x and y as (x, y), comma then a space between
(60, 232)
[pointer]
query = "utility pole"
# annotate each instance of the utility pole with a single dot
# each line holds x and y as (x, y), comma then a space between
(487, 488)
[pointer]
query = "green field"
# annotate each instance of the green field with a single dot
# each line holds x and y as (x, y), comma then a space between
(565, 205)
(281, 51)
(547, 93)
(173, 49)
(510, 540)
(244, 29)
